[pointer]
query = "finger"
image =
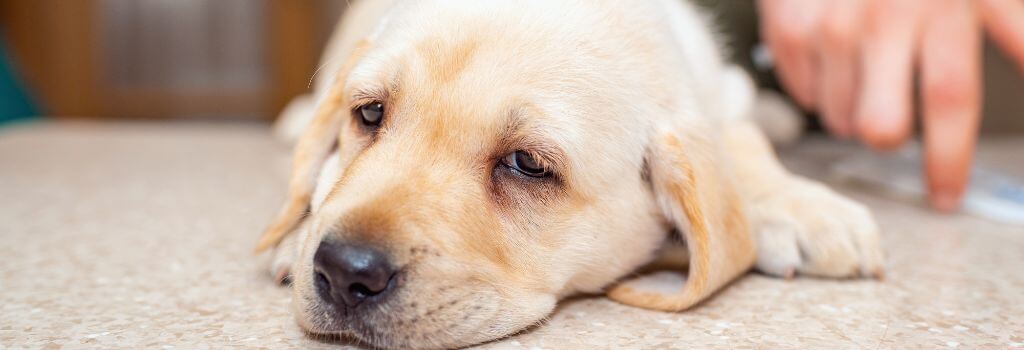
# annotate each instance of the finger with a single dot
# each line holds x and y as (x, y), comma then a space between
(788, 27)
(884, 109)
(838, 44)
(951, 88)
(1004, 20)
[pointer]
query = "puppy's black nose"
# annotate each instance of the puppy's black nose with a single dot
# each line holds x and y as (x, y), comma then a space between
(350, 274)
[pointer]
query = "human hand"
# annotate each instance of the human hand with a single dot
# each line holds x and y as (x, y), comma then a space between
(854, 62)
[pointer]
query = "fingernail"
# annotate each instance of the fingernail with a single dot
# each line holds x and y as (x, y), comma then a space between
(946, 202)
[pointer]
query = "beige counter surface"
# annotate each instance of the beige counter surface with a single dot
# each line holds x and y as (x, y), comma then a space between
(140, 236)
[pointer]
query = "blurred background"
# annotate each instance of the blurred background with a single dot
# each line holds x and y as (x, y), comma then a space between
(181, 59)
(245, 59)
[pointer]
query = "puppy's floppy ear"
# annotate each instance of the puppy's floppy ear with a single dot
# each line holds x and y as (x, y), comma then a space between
(311, 152)
(695, 192)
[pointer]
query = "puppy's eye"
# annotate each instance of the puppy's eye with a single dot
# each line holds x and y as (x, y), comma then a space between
(525, 164)
(371, 114)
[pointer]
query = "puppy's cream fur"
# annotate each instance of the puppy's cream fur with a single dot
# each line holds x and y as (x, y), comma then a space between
(629, 103)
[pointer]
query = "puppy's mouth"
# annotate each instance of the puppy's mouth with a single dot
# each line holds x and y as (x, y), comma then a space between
(415, 317)
(357, 308)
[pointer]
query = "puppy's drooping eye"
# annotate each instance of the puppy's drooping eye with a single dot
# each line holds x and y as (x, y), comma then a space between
(372, 114)
(525, 164)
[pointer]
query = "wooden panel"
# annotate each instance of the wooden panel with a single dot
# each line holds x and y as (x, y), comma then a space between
(167, 58)
(293, 46)
(53, 43)
(176, 58)
(157, 103)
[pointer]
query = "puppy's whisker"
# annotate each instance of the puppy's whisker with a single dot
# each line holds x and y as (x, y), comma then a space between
(326, 63)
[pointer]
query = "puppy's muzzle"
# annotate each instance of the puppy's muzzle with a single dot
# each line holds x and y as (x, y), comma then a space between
(349, 275)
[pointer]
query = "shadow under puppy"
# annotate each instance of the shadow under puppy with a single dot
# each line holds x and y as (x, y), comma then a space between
(467, 163)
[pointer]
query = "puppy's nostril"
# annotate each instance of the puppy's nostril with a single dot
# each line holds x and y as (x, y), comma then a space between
(360, 290)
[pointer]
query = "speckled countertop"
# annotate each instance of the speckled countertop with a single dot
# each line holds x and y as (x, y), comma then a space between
(140, 236)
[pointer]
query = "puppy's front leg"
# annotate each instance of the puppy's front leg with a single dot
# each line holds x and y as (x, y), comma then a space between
(800, 226)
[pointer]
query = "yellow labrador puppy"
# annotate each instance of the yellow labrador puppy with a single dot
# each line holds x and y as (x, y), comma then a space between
(470, 162)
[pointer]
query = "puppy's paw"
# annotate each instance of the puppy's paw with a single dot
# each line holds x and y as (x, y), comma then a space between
(284, 256)
(807, 228)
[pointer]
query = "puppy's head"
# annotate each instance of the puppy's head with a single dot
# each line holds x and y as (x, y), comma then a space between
(491, 157)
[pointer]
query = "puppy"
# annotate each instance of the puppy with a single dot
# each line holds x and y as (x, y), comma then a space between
(471, 162)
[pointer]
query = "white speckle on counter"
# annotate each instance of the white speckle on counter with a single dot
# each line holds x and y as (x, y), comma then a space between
(665, 321)
(828, 308)
(934, 330)
(952, 344)
(1016, 344)
(722, 325)
(598, 324)
(960, 328)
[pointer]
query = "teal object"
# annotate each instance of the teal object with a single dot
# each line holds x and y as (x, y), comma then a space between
(15, 102)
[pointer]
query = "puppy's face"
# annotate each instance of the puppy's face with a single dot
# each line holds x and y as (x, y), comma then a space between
(490, 161)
